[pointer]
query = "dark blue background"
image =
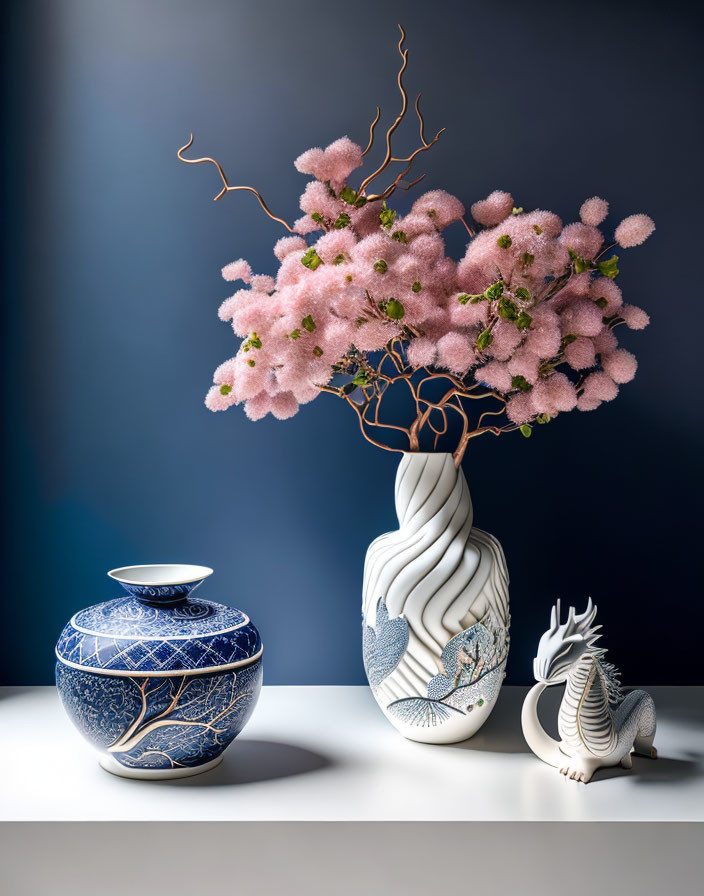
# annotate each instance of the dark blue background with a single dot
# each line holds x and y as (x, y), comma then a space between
(111, 284)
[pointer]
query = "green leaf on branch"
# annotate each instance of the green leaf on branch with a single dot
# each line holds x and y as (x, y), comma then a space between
(609, 268)
(524, 320)
(416, 286)
(495, 291)
(251, 363)
(395, 309)
(225, 389)
(308, 323)
(527, 259)
(399, 236)
(342, 221)
(339, 259)
(522, 293)
(504, 241)
(484, 339)
(581, 265)
(349, 196)
(317, 351)
(253, 342)
(566, 340)
(526, 431)
(386, 216)
(507, 309)
(361, 379)
(520, 383)
(517, 211)
(464, 298)
(381, 266)
(537, 229)
(294, 334)
(317, 217)
(601, 302)
(543, 418)
(311, 259)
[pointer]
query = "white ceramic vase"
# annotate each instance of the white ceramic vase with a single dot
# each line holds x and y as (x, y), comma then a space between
(435, 608)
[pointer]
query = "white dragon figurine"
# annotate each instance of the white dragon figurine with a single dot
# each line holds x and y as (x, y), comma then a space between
(598, 725)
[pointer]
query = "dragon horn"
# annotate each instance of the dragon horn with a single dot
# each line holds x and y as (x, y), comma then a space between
(571, 618)
(584, 620)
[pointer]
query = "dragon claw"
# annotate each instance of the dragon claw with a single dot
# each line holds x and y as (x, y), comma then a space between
(576, 774)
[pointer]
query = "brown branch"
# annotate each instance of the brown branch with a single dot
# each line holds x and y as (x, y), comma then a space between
(371, 131)
(420, 119)
(365, 433)
(392, 186)
(489, 414)
(226, 186)
(404, 105)
(467, 227)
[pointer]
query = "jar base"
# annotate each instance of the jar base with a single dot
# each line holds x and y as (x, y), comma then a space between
(156, 774)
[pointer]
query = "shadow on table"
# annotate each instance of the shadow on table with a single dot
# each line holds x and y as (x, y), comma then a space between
(501, 733)
(251, 761)
(662, 770)
(683, 706)
(8, 693)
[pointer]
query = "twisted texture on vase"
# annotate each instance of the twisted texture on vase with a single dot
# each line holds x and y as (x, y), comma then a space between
(437, 571)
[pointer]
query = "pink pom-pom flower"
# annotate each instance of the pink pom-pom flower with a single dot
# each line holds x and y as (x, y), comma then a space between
(587, 404)
(594, 211)
(495, 375)
(634, 317)
(333, 164)
(284, 405)
(456, 352)
(237, 270)
(442, 208)
(519, 408)
(599, 386)
(421, 352)
(491, 211)
(582, 239)
(580, 353)
(288, 244)
(620, 365)
(219, 398)
(634, 230)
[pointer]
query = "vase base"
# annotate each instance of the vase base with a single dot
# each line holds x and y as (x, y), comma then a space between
(453, 731)
(156, 774)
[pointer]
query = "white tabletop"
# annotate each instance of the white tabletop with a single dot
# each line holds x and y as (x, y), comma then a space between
(328, 754)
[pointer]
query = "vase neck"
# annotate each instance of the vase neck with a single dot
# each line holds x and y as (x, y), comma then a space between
(428, 484)
(160, 595)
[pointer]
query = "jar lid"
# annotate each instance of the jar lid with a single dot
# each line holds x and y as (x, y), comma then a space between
(135, 637)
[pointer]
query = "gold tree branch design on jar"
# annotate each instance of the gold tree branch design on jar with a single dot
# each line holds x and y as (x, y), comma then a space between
(366, 303)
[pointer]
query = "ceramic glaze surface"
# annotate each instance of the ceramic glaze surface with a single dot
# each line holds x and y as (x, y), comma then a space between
(125, 635)
(164, 723)
(435, 608)
(161, 688)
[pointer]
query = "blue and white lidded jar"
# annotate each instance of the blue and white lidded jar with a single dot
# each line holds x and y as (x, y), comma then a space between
(158, 680)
